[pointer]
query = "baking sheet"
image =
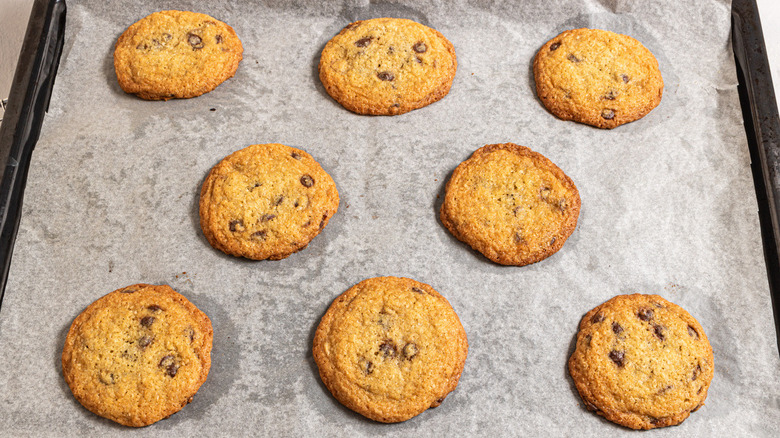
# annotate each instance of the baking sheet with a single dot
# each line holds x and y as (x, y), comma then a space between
(668, 207)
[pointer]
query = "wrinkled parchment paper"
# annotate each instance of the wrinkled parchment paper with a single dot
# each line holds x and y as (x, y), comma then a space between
(668, 207)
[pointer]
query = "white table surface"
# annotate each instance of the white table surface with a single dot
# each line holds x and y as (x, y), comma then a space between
(15, 13)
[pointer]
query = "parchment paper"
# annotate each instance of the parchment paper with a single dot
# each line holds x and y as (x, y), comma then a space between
(668, 207)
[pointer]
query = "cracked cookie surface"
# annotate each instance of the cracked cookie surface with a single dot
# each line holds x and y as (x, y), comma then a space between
(266, 201)
(138, 354)
(511, 204)
(387, 66)
(597, 77)
(176, 54)
(389, 348)
(642, 362)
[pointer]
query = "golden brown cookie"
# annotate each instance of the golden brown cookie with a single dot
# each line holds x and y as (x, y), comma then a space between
(511, 204)
(597, 77)
(266, 201)
(138, 354)
(176, 54)
(389, 348)
(642, 362)
(387, 66)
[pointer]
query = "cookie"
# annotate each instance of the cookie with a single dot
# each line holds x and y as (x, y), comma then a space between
(138, 354)
(641, 362)
(511, 204)
(387, 66)
(176, 54)
(266, 201)
(597, 77)
(389, 348)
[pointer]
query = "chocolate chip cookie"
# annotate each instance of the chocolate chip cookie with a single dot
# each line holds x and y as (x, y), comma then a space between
(389, 348)
(642, 362)
(387, 66)
(511, 204)
(266, 201)
(176, 54)
(138, 354)
(597, 77)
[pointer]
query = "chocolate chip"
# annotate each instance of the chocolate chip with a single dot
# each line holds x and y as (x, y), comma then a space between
(154, 308)
(519, 238)
(260, 235)
(645, 314)
(552, 241)
(307, 180)
(617, 328)
(170, 365)
(658, 331)
(166, 36)
(696, 372)
(195, 41)
(554, 46)
(418, 59)
(597, 318)
(388, 349)
(351, 26)
(369, 368)
(572, 58)
(279, 200)
(236, 225)
(664, 389)
(267, 217)
(363, 42)
(625, 78)
(296, 155)
(692, 332)
(420, 47)
(607, 114)
(190, 333)
(385, 75)
(410, 350)
(588, 338)
(418, 290)
(390, 50)
(611, 95)
(218, 39)
(147, 321)
(618, 357)
(322, 221)
(590, 406)
(145, 341)
(128, 290)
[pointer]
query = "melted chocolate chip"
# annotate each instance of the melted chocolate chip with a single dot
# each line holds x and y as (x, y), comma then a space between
(195, 41)
(572, 58)
(147, 321)
(645, 314)
(552, 241)
(190, 333)
(154, 308)
(658, 331)
(170, 365)
(236, 225)
(418, 290)
(296, 155)
(618, 357)
(322, 221)
(410, 350)
(145, 341)
(307, 180)
(388, 349)
(420, 47)
(260, 235)
(218, 39)
(267, 217)
(696, 372)
(385, 75)
(617, 328)
(597, 318)
(692, 332)
(607, 114)
(363, 42)
(625, 78)
(554, 46)
(369, 368)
